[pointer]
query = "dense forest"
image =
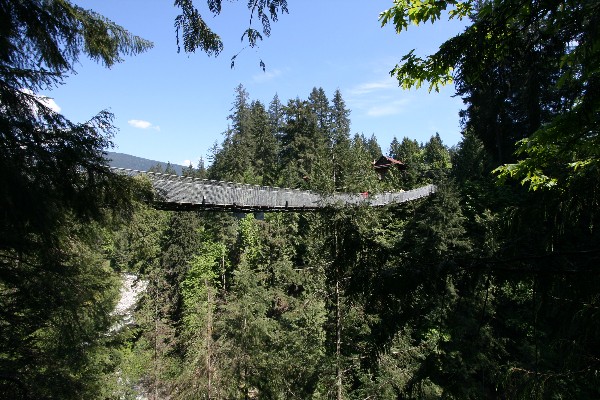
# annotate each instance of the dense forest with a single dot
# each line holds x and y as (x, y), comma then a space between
(486, 289)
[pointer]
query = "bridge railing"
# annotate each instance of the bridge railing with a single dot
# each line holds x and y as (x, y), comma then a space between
(188, 191)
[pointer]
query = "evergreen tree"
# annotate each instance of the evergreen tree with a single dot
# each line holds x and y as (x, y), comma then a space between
(340, 120)
(234, 161)
(323, 176)
(320, 107)
(56, 291)
(200, 376)
(162, 307)
(470, 162)
(303, 148)
(136, 247)
(373, 146)
(529, 76)
(276, 115)
(436, 157)
(44, 155)
(266, 147)
(339, 139)
(56, 317)
(418, 298)
(359, 175)
(411, 154)
(347, 257)
(201, 171)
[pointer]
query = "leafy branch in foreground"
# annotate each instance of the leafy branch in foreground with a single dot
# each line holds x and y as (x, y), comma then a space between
(533, 68)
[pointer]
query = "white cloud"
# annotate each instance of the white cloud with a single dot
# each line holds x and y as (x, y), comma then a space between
(370, 87)
(47, 101)
(141, 124)
(192, 163)
(266, 76)
(378, 98)
(50, 103)
(389, 108)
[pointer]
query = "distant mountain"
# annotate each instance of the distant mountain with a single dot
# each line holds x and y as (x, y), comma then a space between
(120, 160)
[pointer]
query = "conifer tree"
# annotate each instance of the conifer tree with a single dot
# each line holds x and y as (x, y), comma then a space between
(55, 317)
(44, 155)
(373, 147)
(162, 306)
(276, 117)
(411, 154)
(234, 161)
(201, 375)
(436, 154)
(320, 107)
(303, 145)
(53, 185)
(359, 175)
(339, 139)
(201, 171)
(266, 148)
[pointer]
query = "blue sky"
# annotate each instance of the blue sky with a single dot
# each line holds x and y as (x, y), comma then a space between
(173, 107)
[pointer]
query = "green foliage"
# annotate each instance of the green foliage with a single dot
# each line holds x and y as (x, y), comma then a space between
(303, 145)
(204, 270)
(481, 291)
(44, 155)
(411, 154)
(136, 246)
(199, 294)
(428, 163)
(194, 32)
(470, 162)
(407, 12)
(436, 69)
(42, 40)
(547, 53)
(506, 325)
(271, 318)
(564, 150)
(57, 291)
(250, 149)
(476, 292)
(250, 245)
(56, 317)
(358, 175)
(436, 154)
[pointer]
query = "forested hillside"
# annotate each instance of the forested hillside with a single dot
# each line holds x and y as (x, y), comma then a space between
(290, 306)
(487, 289)
(120, 160)
(482, 291)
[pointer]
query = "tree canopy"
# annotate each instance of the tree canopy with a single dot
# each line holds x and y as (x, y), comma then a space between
(483, 290)
(55, 188)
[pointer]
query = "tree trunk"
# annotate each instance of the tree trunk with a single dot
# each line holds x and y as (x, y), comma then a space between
(208, 339)
(338, 324)
(338, 339)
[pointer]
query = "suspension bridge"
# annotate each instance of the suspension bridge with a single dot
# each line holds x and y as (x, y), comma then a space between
(174, 192)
